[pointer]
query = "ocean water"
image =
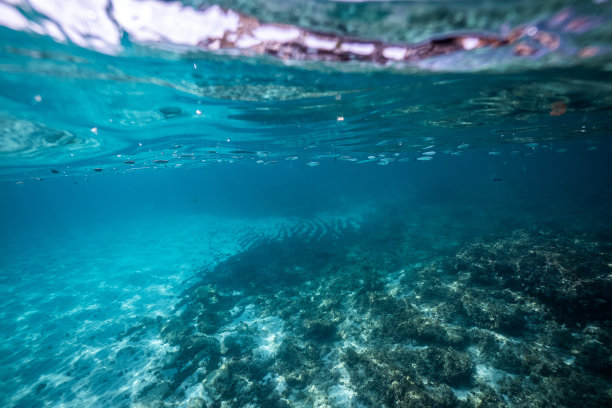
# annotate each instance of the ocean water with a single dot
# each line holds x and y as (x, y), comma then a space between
(305, 204)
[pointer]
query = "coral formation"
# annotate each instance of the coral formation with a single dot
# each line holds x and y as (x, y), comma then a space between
(515, 319)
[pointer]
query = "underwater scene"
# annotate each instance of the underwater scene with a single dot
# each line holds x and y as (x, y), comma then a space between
(315, 203)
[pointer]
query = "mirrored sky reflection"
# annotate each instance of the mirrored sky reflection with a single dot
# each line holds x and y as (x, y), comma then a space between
(119, 86)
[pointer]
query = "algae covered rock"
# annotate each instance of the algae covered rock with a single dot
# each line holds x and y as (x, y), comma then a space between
(155, 393)
(197, 402)
(320, 330)
(482, 327)
(445, 365)
(494, 314)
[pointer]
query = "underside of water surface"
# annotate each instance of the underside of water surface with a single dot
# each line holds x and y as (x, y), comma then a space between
(305, 204)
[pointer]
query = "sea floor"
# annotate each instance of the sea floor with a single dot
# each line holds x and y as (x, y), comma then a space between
(435, 307)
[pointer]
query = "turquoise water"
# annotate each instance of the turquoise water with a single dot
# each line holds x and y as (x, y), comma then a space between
(188, 222)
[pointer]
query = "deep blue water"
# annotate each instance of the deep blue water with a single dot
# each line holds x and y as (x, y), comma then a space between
(187, 227)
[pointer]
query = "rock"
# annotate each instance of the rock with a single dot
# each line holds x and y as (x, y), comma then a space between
(197, 402)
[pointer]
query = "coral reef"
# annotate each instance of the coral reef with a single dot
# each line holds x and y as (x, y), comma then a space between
(511, 320)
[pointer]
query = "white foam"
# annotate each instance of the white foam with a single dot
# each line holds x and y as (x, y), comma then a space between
(469, 43)
(271, 32)
(320, 43)
(247, 41)
(13, 19)
(151, 20)
(394, 53)
(86, 23)
(358, 48)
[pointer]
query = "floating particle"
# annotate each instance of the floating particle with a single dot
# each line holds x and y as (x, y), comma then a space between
(550, 41)
(97, 169)
(291, 158)
(270, 162)
(463, 146)
(371, 157)
(558, 108)
(37, 98)
(457, 153)
(312, 164)
(160, 161)
(94, 130)
(588, 52)
(385, 161)
(429, 153)
(259, 161)
(470, 43)
(340, 119)
(524, 50)
(198, 112)
(532, 145)
(424, 158)
(494, 153)
(129, 162)
(19, 182)
(54, 171)
(581, 24)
